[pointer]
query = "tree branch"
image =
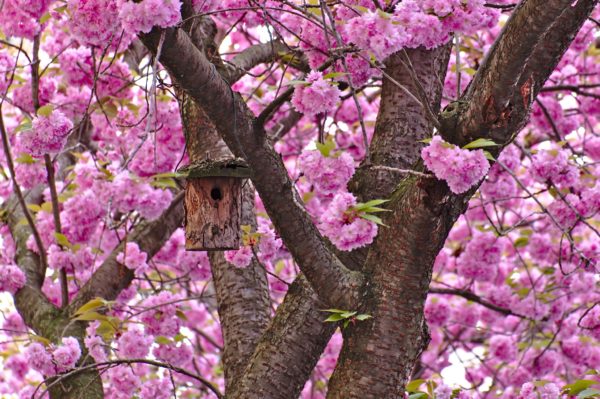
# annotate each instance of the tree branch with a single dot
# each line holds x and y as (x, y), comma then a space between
(337, 285)
(471, 296)
(112, 277)
(263, 53)
(502, 90)
(289, 349)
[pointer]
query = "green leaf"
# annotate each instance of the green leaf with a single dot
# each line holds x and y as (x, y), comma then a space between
(164, 183)
(179, 337)
(363, 316)
(578, 386)
(480, 143)
(334, 318)
(326, 147)
(418, 395)
(47, 207)
(92, 304)
(521, 242)
(25, 125)
(62, 240)
(25, 159)
(489, 156)
(414, 385)
(333, 75)
(46, 110)
(373, 218)
(163, 340)
(45, 18)
(179, 313)
(106, 330)
(373, 204)
(169, 174)
(347, 315)
(34, 207)
(40, 339)
(90, 316)
(297, 83)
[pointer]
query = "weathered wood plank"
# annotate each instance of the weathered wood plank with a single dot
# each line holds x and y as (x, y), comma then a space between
(213, 213)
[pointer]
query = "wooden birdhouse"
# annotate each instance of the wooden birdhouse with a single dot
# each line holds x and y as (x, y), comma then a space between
(213, 204)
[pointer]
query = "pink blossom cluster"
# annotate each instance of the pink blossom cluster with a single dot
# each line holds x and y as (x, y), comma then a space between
(48, 134)
(268, 244)
(94, 22)
(128, 194)
(6, 66)
(133, 344)
(240, 257)
(553, 165)
(80, 260)
(414, 24)
(53, 360)
(142, 16)
(328, 174)
(344, 226)
(376, 32)
(461, 169)
(480, 258)
(12, 278)
(22, 98)
(315, 97)
(533, 279)
(161, 318)
(19, 17)
(132, 257)
(547, 391)
(179, 355)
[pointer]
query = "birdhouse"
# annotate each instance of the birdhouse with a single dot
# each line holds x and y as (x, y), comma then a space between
(213, 204)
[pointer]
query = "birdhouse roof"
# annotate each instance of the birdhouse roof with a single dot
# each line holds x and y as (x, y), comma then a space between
(222, 168)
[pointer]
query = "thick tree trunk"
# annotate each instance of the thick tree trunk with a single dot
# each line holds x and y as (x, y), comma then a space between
(378, 355)
(289, 349)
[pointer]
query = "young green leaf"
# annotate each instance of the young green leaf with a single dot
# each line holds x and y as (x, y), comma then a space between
(480, 143)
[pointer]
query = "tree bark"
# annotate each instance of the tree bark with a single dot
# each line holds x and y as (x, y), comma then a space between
(289, 349)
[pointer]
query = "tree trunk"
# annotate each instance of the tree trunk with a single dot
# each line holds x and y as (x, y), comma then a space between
(242, 294)
(289, 349)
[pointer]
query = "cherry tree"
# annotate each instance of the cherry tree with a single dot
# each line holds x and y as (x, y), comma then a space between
(424, 190)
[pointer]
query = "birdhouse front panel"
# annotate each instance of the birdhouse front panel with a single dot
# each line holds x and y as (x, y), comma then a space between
(213, 213)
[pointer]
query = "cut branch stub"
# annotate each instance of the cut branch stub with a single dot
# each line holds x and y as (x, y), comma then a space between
(213, 205)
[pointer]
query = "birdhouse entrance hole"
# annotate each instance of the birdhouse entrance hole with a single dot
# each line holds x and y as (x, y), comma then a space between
(215, 194)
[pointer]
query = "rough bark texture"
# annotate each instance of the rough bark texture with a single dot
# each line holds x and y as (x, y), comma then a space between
(401, 123)
(289, 349)
(378, 354)
(398, 261)
(498, 100)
